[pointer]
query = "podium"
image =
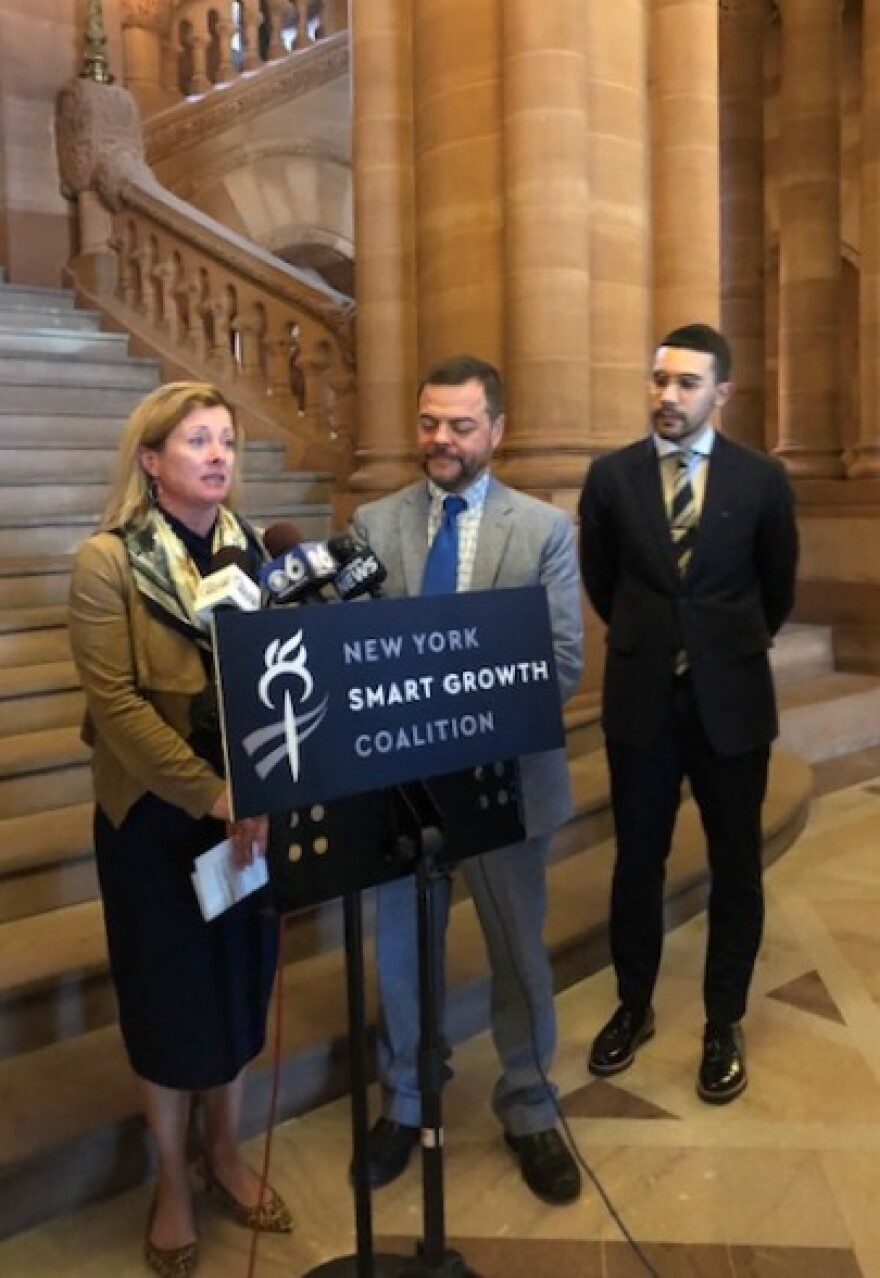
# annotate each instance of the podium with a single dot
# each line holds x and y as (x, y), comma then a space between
(357, 757)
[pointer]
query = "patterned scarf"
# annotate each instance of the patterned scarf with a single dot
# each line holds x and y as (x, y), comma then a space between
(164, 572)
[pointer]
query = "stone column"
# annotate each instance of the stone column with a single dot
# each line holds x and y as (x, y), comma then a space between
(145, 24)
(743, 29)
(620, 227)
(277, 8)
(251, 22)
(384, 244)
(458, 176)
(547, 241)
(199, 39)
(865, 460)
(335, 16)
(809, 237)
(683, 74)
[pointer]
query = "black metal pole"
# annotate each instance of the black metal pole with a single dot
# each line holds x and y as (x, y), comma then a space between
(364, 1263)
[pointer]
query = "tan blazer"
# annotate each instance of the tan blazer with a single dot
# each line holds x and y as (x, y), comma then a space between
(139, 678)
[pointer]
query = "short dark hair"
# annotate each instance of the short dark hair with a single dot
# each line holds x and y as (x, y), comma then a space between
(704, 338)
(455, 370)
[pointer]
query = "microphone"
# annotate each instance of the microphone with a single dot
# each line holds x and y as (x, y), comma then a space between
(298, 568)
(360, 572)
(229, 584)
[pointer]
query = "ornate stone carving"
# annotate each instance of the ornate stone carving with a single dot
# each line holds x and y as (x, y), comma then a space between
(98, 138)
(151, 15)
(192, 124)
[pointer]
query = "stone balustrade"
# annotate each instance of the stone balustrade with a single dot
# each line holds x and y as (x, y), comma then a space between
(206, 301)
(186, 48)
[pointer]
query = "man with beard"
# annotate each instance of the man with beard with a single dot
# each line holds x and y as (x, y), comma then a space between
(504, 539)
(688, 554)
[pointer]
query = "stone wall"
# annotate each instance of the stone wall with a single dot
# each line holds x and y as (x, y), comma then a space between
(40, 49)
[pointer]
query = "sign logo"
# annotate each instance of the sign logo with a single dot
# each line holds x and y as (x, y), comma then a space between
(287, 662)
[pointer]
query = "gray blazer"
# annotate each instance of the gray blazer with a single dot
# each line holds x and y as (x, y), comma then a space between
(521, 542)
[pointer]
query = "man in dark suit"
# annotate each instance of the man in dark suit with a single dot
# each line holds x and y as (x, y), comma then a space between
(504, 538)
(688, 554)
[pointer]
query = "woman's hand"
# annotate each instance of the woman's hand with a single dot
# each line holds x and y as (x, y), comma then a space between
(249, 837)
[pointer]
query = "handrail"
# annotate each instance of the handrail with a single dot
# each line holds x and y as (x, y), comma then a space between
(205, 300)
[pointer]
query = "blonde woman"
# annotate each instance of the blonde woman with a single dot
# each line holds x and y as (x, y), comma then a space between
(192, 996)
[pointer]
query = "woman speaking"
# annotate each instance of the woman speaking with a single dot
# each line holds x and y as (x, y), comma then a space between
(192, 995)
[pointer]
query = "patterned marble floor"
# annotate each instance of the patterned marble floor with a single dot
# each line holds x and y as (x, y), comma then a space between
(783, 1183)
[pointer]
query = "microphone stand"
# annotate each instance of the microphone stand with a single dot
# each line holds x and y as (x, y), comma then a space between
(364, 1263)
(432, 1255)
(418, 836)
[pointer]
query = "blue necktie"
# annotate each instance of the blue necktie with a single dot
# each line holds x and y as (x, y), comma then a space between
(441, 566)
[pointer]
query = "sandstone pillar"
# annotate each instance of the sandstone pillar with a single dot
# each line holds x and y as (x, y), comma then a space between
(742, 34)
(145, 25)
(809, 237)
(545, 98)
(683, 74)
(384, 243)
(620, 228)
(458, 178)
(865, 462)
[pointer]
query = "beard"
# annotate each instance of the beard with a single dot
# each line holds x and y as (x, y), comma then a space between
(457, 472)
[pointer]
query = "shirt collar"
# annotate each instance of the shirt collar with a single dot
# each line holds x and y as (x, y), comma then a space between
(474, 496)
(703, 444)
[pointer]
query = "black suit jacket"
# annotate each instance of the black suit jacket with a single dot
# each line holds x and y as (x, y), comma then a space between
(737, 592)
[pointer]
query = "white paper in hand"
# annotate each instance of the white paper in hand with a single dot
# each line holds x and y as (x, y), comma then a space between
(219, 884)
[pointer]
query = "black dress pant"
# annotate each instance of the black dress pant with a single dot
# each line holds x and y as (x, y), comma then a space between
(729, 792)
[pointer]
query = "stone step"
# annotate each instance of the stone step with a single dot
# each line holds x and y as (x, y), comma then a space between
(46, 861)
(80, 1098)
(29, 636)
(27, 318)
(54, 342)
(38, 697)
(35, 297)
(42, 373)
(43, 770)
(830, 715)
(65, 429)
(801, 652)
(75, 400)
(31, 582)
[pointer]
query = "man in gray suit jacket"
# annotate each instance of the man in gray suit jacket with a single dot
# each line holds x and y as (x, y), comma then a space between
(505, 538)
(688, 553)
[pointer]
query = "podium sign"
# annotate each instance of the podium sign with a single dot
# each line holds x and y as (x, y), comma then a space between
(326, 701)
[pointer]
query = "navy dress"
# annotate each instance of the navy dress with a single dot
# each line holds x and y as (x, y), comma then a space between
(192, 996)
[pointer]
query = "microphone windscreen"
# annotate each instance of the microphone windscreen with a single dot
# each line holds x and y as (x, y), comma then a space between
(232, 556)
(342, 547)
(281, 537)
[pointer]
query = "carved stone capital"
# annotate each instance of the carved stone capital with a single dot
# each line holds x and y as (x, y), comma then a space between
(98, 138)
(151, 15)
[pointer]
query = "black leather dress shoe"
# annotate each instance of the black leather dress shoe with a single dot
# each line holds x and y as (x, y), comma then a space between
(547, 1167)
(389, 1146)
(615, 1045)
(723, 1068)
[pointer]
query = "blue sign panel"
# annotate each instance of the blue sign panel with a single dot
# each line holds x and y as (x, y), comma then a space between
(331, 700)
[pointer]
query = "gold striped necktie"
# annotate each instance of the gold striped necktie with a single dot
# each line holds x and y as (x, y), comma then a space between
(683, 515)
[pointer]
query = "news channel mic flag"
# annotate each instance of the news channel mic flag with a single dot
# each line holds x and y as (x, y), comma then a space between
(319, 703)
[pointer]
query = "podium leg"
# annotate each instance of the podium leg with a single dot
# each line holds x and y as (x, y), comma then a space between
(364, 1263)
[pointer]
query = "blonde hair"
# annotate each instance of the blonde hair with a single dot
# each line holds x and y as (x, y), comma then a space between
(149, 426)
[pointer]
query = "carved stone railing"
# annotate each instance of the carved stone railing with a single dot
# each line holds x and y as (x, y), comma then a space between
(204, 300)
(185, 48)
(192, 124)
